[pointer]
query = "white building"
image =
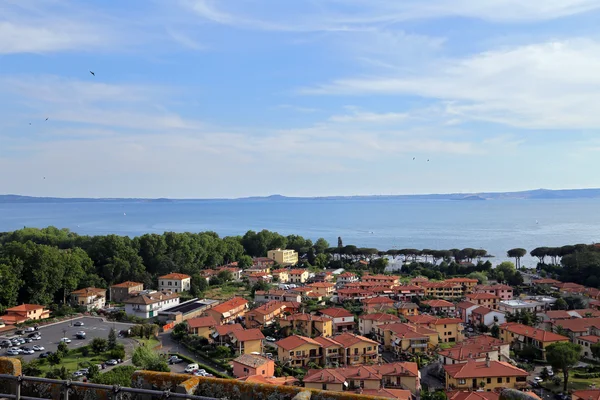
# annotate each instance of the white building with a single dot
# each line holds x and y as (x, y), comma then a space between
(511, 306)
(175, 282)
(149, 304)
(346, 277)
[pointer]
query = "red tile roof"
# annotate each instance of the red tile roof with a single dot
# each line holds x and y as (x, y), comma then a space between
(481, 296)
(438, 303)
(472, 395)
(292, 342)
(546, 281)
(201, 322)
(322, 285)
(223, 330)
(174, 275)
(533, 333)
(379, 317)
(252, 360)
(578, 324)
(590, 338)
(25, 307)
(230, 305)
(420, 319)
(397, 394)
(348, 339)
(307, 317)
(336, 312)
(248, 335)
(447, 321)
(127, 284)
(479, 369)
(327, 375)
(481, 310)
(90, 291)
(327, 342)
(378, 300)
(465, 304)
(269, 307)
(593, 394)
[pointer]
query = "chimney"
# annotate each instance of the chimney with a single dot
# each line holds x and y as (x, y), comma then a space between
(487, 360)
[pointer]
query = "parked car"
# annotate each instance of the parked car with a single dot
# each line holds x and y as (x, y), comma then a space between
(77, 374)
(550, 371)
(112, 362)
(79, 323)
(19, 332)
(270, 339)
(538, 379)
(174, 360)
(30, 329)
(65, 340)
(27, 350)
(80, 335)
(12, 352)
(38, 348)
(45, 355)
(191, 368)
(28, 340)
(36, 337)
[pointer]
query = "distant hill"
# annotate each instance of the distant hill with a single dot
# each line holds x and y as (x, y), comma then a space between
(524, 195)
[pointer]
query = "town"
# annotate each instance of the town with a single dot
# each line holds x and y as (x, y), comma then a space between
(356, 329)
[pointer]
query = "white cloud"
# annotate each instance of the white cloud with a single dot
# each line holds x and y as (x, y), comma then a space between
(370, 117)
(348, 15)
(545, 85)
(185, 40)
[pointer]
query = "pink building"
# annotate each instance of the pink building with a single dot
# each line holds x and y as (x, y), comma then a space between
(250, 365)
(504, 292)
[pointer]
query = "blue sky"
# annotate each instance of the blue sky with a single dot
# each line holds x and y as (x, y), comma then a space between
(233, 98)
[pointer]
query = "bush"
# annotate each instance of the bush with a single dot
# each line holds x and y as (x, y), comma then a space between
(118, 352)
(85, 351)
(587, 375)
(120, 375)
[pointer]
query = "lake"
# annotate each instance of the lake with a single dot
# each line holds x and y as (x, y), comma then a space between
(494, 225)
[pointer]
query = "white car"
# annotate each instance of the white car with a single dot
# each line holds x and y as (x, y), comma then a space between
(538, 379)
(79, 323)
(13, 352)
(111, 362)
(30, 329)
(36, 337)
(270, 339)
(38, 348)
(550, 372)
(77, 374)
(65, 340)
(27, 350)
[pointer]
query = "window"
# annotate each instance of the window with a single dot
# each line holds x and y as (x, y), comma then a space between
(170, 283)
(298, 353)
(246, 369)
(489, 380)
(507, 380)
(462, 382)
(499, 380)
(263, 371)
(324, 386)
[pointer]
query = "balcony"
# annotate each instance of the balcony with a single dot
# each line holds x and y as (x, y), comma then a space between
(418, 345)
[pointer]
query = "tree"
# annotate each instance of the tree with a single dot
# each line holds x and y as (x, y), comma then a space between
(54, 358)
(517, 254)
(495, 331)
(595, 349)
(245, 261)
(120, 375)
(480, 276)
(146, 358)
(63, 349)
(31, 368)
(99, 345)
(321, 245)
(378, 266)
(563, 356)
(112, 339)
(93, 372)
(559, 330)
(561, 304)
(225, 276)
(321, 260)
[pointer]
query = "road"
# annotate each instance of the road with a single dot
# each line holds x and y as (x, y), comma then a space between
(171, 346)
(430, 377)
(93, 327)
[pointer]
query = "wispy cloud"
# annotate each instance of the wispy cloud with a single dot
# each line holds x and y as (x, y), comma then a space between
(185, 40)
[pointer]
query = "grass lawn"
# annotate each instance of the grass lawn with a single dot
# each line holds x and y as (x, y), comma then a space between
(445, 346)
(72, 362)
(225, 292)
(151, 343)
(574, 383)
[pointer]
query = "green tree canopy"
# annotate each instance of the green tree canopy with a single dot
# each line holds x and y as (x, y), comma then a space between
(563, 356)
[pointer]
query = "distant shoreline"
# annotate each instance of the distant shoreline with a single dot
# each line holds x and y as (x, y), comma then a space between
(521, 195)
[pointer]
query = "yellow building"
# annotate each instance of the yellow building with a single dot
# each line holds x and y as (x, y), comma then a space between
(283, 257)
(468, 283)
(484, 300)
(407, 338)
(307, 324)
(407, 309)
(450, 330)
(484, 375)
(298, 275)
(324, 289)
(264, 315)
(282, 275)
(229, 310)
(246, 341)
(519, 335)
(297, 351)
(358, 349)
(202, 326)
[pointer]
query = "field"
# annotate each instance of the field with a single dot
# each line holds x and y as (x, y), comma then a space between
(226, 291)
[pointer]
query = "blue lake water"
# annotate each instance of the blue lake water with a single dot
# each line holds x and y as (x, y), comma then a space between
(496, 225)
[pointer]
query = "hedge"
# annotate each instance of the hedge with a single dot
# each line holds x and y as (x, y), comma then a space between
(203, 366)
(587, 375)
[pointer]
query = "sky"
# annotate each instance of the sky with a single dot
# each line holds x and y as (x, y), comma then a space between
(235, 98)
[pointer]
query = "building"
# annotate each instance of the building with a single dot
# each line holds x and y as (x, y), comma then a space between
(324, 276)
(484, 375)
(332, 352)
(484, 300)
(385, 280)
(586, 342)
(407, 292)
(262, 296)
(346, 277)
(236, 272)
(579, 326)
(367, 323)
(443, 290)
(477, 348)
(257, 277)
(406, 309)
(400, 376)
(358, 349)
(148, 304)
(479, 395)
(246, 341)
(468, 283)
(343, 320)
(281, 275)
(440, 306)
(519, 336)
(250, 364)
(174, 282)
(324, 289)
(450, 330)
(464, 310)
(307, 324)
(265, 314)
(23, 313)
(377, 304)
(263, 262)
(406, 338)
(124, 290)
(591, 394)
(201, 326)
(298, 275)
(486, 316)
(504, 292)
(187, 310)
(221, 333)
(298, 351)
(89, 298)
(512, 306)
(283, 257)
(229, 311)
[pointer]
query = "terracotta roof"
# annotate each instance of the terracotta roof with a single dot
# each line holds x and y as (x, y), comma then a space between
(25, 307)
(479, 369)
(347, 275)
(127, 284)
(533, 333)
(223, 330)
(438, 303)
(279, 381)
(482, 310)
(336, 312)
(326, 375)
(493, 287)
(462, 280)
(90, 291)
(365, 372)
(465, 304)
(306, 317)
(421, 319)
(545, 281)
(269, 307)
(291, 304)
(297, 271)
(587, 394)
(175, 275)
(398, 394)
(578, 324)
(230, 305)
(406, 306)
(407, 331)
(292, 342)
(322, 285)
(590, 338)
(586, 312)
(447, 321)
(252, 360)
(483, 340)
(472, 348)
(151, 298)
(201, 322)
(348, 339)
(481, 296)
(380, 317)
(327, 342)
(471, 395)
(248, 334)
(558, 314)
(380, 277)
(378, 300)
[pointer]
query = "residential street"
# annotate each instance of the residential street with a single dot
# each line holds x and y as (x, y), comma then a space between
(171, 346)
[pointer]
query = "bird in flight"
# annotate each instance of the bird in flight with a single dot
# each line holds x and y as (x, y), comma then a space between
(428, 160)
(47, 118)
(30, 123)
(414, 158)
(92, 72)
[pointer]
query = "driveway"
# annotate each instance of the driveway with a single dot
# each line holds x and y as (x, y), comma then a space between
(430, 377)
(94, 327)
(171, 346)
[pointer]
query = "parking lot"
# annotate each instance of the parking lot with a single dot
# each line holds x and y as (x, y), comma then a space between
(51, 335)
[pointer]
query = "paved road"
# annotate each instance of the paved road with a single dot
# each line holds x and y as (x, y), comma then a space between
(93, 327)
(429, 378)
(171, 346)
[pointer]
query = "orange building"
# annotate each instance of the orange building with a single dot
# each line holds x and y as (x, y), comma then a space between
(24, 312)
(251, 364)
